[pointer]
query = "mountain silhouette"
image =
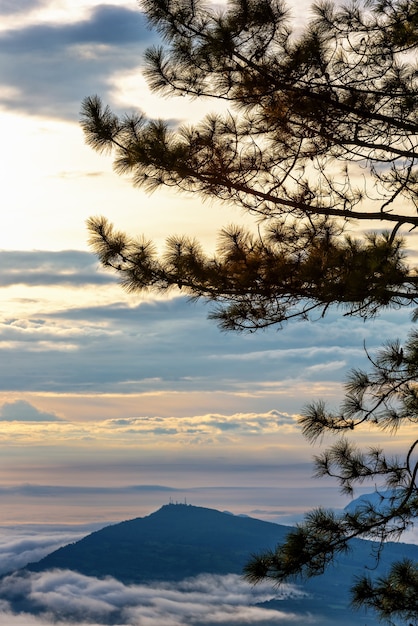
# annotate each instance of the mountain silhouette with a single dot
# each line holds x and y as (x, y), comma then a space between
(175, 542)
(181, 541)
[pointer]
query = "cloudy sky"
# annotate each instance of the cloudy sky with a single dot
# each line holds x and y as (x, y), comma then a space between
(111, 404)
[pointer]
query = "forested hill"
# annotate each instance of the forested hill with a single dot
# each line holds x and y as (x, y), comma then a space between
(175, 542)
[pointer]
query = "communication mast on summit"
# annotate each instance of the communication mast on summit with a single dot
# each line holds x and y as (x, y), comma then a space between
(177, 503)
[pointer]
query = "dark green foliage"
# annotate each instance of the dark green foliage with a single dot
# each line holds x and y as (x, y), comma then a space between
(308, 114)
(391, 596)
(259, 282)
(385, 398)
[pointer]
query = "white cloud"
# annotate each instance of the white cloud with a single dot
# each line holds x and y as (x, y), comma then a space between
(20, 546)
(218, 599)
(161, 346)
(39, 58)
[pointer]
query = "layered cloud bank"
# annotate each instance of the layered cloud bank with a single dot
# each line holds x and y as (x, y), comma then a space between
(70, 597)
(67, 597)
(20, 546)
(67, 326)
(39, 57)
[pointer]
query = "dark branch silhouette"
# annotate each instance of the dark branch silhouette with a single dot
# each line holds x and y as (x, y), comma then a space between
(318, 140)
(321, 134)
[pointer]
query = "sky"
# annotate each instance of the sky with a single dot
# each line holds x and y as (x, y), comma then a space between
(112, 404)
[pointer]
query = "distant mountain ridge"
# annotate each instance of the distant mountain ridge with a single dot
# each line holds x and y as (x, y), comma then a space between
(380, 500)
(182, 541)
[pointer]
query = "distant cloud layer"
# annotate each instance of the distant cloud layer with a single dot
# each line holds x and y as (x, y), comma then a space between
(29, 426)
(47, 268)
(20, 546)
(22, 411)
(224, 600)
(47, 69)
(93, 337)
(8, 7)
